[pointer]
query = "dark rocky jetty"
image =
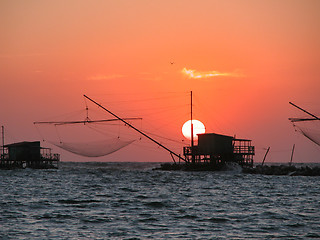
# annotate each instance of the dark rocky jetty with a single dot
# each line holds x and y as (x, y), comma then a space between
(221, 166)
(283, 170)
(260, 169)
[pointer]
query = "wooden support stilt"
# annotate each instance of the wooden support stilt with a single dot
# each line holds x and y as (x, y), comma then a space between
(292, 154)
(264, 158)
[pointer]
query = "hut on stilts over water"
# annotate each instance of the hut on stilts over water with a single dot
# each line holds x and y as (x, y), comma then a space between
(27, 155)
(214, 152)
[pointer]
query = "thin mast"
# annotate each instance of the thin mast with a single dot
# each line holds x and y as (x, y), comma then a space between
(142, 133)
(2, 128)
(304, 111)
(192, 140)
(264, 158)
(292, 154)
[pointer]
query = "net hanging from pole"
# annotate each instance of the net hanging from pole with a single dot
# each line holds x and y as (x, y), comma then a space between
(89, 138)
(100, 133)
(310, 128)
(95, 148)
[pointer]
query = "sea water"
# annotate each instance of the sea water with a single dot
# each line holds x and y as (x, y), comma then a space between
(132, 201)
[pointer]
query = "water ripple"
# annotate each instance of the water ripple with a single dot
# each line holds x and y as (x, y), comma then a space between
(130, 201)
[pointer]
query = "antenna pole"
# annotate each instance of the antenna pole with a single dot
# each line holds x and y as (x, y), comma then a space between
(264, 158)
(142, 133)
(2, 128)
(192, 140)
(304, 111)
(292, 154)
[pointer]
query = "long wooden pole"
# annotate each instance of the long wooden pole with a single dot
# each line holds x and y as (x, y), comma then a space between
(142, 133)
(304, 110)
(85, 121)
(264, 158)
(292, 154)
(2, 128)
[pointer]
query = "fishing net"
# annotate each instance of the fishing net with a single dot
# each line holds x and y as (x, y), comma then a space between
(310, 128)
(91, 137)
(95, 148)
(96, 131)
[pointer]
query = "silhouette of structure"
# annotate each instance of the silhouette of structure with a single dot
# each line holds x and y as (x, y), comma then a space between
(213, 151)
(308, 127)
(27, 155)
(217, 149)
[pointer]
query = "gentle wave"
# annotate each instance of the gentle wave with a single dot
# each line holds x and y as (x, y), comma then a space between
(131, 201)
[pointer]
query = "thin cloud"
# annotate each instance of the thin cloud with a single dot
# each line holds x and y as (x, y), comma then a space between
(105, 77)
(208, 74)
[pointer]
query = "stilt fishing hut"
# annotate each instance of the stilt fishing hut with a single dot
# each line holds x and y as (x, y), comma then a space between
(217, 149)
(28, 154)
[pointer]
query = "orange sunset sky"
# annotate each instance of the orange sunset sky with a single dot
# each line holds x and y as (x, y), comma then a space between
(244, 60)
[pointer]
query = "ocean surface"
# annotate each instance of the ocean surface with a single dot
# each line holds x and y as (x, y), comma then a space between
(131, 201)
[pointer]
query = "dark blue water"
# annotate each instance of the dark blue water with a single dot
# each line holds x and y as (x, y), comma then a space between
(130, 201)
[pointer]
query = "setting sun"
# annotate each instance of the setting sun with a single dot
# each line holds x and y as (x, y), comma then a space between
(198, 127)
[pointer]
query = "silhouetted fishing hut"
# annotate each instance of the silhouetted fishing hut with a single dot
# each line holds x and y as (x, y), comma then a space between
(217, 149)
(27, 154)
